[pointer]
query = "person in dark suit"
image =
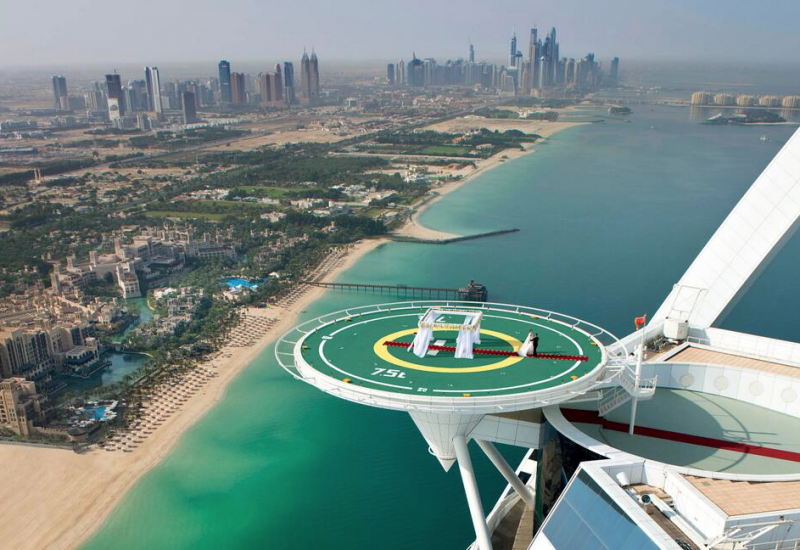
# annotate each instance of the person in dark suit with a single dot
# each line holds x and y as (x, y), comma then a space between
(535, 344)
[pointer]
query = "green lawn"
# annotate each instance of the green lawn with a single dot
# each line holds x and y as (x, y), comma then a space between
(232, 205)
(271, 192)
(446, 150)
(372, 212)
(177, 214)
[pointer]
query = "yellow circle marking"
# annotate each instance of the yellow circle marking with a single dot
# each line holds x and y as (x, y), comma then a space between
(383, 352)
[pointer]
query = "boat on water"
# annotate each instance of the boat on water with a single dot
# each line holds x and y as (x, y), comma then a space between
(619, 110)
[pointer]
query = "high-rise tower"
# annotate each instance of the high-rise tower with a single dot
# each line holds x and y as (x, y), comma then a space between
(314, 76)
(153, 80)
(114, 91)
(189, 108)
(60, 96)
(533, 55)
(614, 72)
(415, 72)
(512, 57)
(238, 88)
(288, 80)
(309, 78)
(305, 76)
(277, 85)
(225, 82)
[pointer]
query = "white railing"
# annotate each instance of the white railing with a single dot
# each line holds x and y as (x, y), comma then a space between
(612, 399)
(637, 386)
(287, 352)
(786, 544)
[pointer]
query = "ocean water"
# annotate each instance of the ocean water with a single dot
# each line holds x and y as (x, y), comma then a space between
(610, 215)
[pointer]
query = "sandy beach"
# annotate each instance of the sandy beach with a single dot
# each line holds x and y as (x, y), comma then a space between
(56, 499)
(413, 228)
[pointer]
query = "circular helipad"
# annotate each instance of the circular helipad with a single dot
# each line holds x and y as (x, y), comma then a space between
(367, 351)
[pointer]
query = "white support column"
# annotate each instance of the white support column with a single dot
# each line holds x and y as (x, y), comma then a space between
(637, 382)
(511, 476)
(632, 425)
(482, 534)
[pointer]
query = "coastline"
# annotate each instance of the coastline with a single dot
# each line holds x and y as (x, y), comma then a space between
(78, 492)
(414, 229)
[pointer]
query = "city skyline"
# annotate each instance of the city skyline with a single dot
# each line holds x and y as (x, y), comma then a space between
(706, 32)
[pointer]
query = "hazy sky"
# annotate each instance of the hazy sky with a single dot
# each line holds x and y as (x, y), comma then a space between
(75, 32)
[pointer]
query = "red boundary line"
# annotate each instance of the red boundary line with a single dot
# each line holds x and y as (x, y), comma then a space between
(591, 417)
(479, 351)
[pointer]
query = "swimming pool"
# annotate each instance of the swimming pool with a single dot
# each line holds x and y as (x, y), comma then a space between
(236, 282)
(96, 413)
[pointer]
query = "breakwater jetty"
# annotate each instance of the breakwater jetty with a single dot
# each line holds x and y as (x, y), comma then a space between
(405, 239)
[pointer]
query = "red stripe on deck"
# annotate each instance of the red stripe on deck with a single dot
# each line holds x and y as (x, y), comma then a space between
(502, 353)
(591, 417)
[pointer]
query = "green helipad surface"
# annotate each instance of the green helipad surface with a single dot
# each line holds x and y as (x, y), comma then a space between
(354, 352)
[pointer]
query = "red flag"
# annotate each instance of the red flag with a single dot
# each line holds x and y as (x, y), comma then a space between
(640, 321)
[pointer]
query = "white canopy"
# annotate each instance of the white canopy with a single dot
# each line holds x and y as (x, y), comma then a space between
(469, 332)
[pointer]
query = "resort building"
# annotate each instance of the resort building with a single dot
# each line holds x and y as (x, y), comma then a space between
(27, 353)
(20, 406)
(724, 99)
(182, 243)
(791, 102)
(151, 256)
(128, 281)
(43, 332)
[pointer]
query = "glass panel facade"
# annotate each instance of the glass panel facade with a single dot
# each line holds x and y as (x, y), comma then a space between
(586, 518)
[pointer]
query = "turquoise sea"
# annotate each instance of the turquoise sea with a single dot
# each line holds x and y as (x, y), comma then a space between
(610, 215)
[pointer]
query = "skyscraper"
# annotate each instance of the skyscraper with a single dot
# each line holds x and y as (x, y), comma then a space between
(552, 58)
(225, 95)
(154, 103)
(277, 85)
(271, 86)
(512, 57)
(305, 69)
(114, 91)
(471, 53)
(288, 80)
(138, 95)
(60, 96)
(309, 78)
(533, 56)
(129, 98)
(95, 98)
(314, 76)
(238, 87)
(415, 72)
(569, 72)
(189, 108)
(614, 72)
(400, 71)
(390, 78)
